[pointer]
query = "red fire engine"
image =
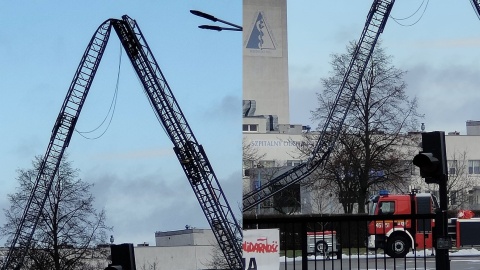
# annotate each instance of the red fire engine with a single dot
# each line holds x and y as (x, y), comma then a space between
(398, 236)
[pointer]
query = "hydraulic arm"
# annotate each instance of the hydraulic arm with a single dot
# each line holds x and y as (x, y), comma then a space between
(376, 20)
(190, 153)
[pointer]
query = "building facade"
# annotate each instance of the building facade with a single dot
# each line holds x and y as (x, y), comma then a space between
(265, 61)
(282, 150)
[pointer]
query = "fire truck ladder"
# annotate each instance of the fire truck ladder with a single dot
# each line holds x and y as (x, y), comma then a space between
(376, 20)
(189, 152)
(59, 140)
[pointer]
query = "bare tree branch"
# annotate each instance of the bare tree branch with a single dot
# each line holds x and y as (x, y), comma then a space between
(69, 227)
(373, 147)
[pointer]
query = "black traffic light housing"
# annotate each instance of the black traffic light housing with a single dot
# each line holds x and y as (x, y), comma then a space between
(432, 160)
(123, 257)
(114, 267)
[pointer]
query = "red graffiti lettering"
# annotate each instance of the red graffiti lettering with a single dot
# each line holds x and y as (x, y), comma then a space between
(260, 247)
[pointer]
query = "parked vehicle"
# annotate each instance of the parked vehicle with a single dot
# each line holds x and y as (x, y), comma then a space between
(323, 243)
(398, 236)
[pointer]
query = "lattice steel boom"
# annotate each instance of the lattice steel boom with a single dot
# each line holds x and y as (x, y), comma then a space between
(61, 135)
(189, 152)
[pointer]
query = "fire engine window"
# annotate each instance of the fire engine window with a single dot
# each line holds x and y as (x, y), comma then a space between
(386, 208)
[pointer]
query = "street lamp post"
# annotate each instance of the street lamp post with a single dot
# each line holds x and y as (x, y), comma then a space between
(215, 19)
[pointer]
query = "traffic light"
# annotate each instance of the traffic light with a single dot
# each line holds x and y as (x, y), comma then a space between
(432, 160)
(123, 257)
(114, 267)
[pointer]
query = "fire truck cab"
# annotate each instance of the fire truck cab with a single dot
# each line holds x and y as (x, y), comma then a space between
(397, 236)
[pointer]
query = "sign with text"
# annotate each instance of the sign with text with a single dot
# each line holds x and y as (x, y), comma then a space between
(261, 249)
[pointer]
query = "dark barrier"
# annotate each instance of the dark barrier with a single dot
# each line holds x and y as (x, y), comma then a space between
(351, 241)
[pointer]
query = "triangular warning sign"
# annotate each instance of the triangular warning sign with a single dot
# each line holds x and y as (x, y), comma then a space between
(260, 37)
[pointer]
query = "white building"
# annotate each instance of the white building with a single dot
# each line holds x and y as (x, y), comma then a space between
(280, 149)
(188, 249)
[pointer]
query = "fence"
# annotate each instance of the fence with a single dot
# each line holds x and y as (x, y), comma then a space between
(340, 242)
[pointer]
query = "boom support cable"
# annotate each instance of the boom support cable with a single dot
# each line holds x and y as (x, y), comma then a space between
(111, 109)
(411, 15)
(397, 20)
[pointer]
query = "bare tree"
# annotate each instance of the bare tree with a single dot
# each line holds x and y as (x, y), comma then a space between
(460, 181)
(69, 225)
(250, 159)
(250, 155)
(147, 265)
(217, 260)
(371, 150)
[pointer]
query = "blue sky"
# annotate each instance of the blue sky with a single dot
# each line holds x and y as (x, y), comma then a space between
(439, 51)
(137, 177)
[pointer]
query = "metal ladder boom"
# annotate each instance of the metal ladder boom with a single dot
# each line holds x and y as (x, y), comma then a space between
(59, 140)
(189, 152)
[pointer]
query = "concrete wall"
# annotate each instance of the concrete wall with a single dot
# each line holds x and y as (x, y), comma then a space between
(470, 145)
(162, 258)
(276, 146)
(187, 237)
(265, 57)
(473, 127)
(179, 258)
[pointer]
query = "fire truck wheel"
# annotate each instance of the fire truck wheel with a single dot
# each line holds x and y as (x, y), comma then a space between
(321, 247)
(397, 246)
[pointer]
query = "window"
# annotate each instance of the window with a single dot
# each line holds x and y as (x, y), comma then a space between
(267, 203)
(453, 197)
(266, 163)
(385, 208)
(413, 170)
(474, 167)
(452, 167)
(250, 128)
(293, 163)
(288, 197)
